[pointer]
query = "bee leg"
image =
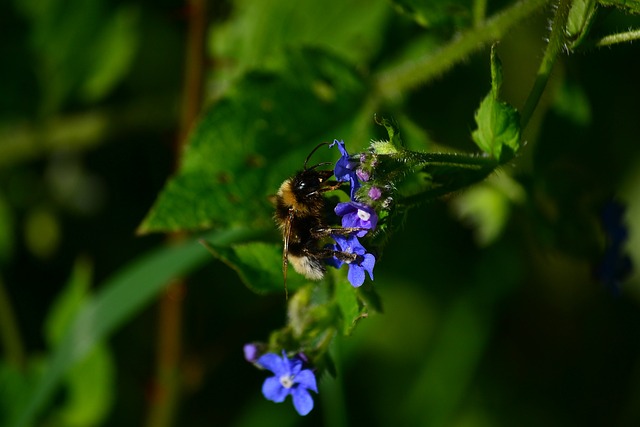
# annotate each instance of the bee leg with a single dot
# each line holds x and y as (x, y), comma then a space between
(347, 257)
(336, 231)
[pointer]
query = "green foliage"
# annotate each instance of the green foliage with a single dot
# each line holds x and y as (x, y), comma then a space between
(572, 103)
(283, 76)
(89, 382)
(429, 13)
(62, 35)
(581, 16)
(101, 314)
(629, 6)
(498, 132)
(258, 264)
(6, 231)
(223, 184)
(350, 29)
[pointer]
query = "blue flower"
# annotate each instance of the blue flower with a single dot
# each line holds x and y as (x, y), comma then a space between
(364, 262)
(346, 168)
(290, 379)
(358, 215)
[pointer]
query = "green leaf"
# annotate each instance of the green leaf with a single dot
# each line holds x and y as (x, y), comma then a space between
(496, 72)
(253, 39)
(432, 13)
(89, 383)
(498, 132)
(115, 49)
(350, 305)
(81, 48)
(90, 389)
(572, 103)
(579, 21)
(66, 305)
(629, 6)
(259, 265)
(498, 127)
(15, 386)
(247, 144)
(119, 298)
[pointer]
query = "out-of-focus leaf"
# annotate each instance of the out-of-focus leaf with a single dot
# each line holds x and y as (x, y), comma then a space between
(571, 102)
(89, 386)
(253, 39)
(80, 47)
(113, 53)
(42, 232)
(89, 383)
(6, 230)
(66, 306)
(15, 386)
(432, 13)
(498, 132)
(248, 143)
(630, 6)
(486, 209)
(118, 299)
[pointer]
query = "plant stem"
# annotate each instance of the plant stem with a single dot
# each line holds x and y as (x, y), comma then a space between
(554, 47)
(399, 78)
(479, 12)
(9, 332)
(167, 378)
(612, 39)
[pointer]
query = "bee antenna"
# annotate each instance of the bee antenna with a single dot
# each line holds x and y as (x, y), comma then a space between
(319, 164)
(311, 154)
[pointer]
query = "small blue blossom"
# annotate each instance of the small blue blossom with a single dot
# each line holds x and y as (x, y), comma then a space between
(358, 215)
(290, 379)
(252, 352)
(364, 262)
(346, 168)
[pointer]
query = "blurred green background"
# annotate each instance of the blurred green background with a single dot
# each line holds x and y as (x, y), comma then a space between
(493, 315)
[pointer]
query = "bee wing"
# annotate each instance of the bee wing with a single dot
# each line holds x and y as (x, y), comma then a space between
(286, 233)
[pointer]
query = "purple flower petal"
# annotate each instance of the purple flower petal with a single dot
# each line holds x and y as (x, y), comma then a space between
(251, 352)
(375, 193)
(368, 263)
(357, 215)
(355, 275)
(302, 400)
(346, 168)
(274, 363)
(307, 379)
(273, 390)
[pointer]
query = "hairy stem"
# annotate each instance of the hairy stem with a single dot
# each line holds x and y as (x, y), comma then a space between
(612, 39)
(554, 47)
(401, 77)
(479, 12)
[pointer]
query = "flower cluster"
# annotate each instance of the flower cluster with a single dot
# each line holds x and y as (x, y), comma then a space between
(354, 214)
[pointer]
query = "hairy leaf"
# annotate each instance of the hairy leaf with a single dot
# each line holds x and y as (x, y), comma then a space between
(247, 144)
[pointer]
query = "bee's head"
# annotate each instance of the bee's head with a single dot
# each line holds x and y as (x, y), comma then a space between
(310, 181)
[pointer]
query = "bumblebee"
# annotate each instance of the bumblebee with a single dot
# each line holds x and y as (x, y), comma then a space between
(301, 215)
